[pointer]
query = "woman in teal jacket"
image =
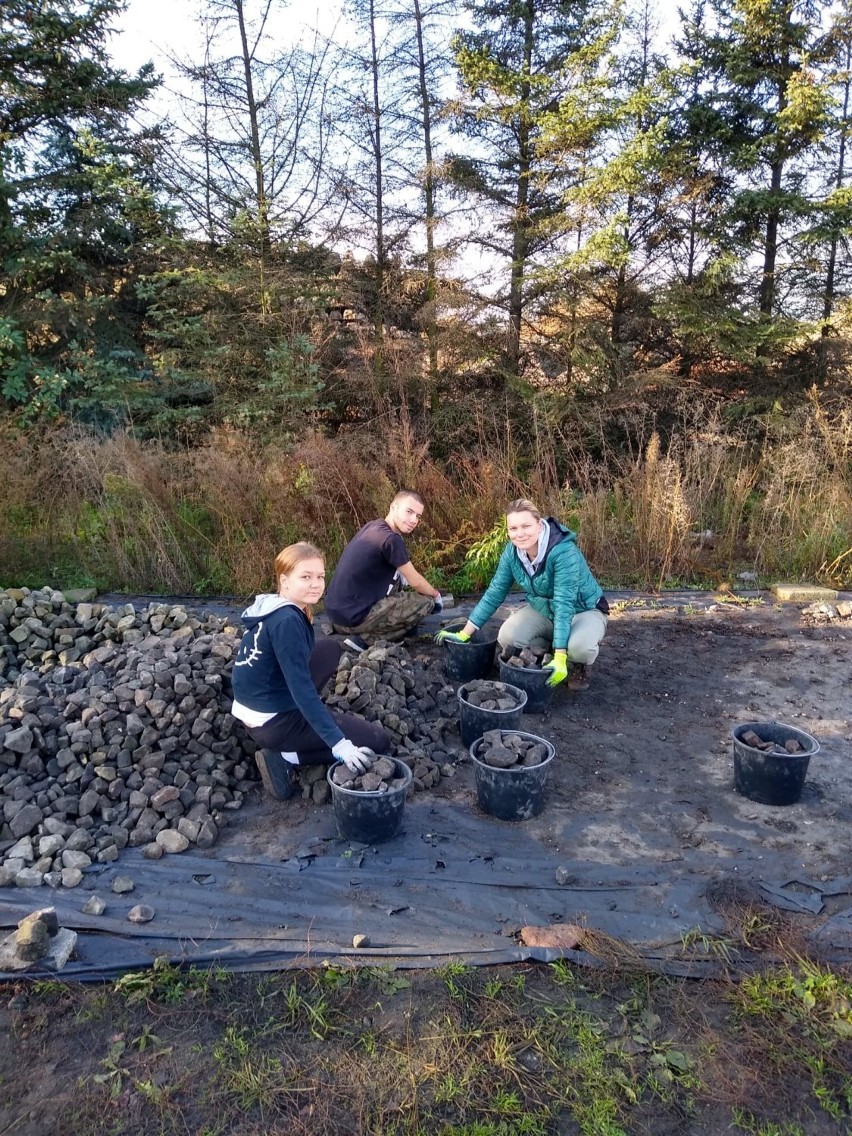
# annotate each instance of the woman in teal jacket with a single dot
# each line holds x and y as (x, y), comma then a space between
(566, 611)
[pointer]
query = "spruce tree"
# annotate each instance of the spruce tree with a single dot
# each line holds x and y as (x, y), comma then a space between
(76, 203)
(517, 68)
(763, 113)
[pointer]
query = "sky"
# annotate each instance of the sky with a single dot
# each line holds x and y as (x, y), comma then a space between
(150, 30)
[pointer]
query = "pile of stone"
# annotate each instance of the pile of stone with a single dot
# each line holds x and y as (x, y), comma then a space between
(114, 733)
(379, 778)
(504, 750)
(754, 741)
(411, 699)
(827, 612)
(488, 695)
(528, 658)
(38, 939)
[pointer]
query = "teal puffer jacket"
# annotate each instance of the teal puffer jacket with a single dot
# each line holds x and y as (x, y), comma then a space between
(562, 584)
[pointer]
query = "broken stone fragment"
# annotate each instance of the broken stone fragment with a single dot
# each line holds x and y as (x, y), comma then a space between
(141, 913)
(342, 775)
(359, 941)
(384, 768)
(94, 905)
(500, 757)
(34, 931)
(172, 841)
(121, 885)
(564, 936)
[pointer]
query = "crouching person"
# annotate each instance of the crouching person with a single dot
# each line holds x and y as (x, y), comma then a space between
(278, 674)
(565, 612)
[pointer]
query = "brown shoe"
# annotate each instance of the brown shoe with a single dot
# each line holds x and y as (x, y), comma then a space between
(578, 679)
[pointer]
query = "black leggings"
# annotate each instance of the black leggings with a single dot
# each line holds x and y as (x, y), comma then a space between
(291, 731)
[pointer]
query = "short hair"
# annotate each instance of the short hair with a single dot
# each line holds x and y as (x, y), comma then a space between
(294, 554)
(403, 493)
(522, 505)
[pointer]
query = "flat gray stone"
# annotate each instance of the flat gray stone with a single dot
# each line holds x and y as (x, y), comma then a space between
(24, 822)
(170, 840)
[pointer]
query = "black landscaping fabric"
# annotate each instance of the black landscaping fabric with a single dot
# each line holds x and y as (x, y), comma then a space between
(452, 886)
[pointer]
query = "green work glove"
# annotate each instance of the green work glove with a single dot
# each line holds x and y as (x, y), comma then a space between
(559, 668)
(452, 637)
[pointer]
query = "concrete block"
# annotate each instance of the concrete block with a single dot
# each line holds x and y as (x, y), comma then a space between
(803, 593)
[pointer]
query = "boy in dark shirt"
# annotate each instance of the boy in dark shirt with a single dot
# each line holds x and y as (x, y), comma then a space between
(365, 598)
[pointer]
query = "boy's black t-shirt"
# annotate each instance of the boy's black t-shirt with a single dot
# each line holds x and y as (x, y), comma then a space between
(364, 573)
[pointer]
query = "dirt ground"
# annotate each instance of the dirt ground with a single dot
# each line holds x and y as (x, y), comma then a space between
(643, 777)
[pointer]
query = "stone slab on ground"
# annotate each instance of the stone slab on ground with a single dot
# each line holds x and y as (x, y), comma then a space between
(803, 593)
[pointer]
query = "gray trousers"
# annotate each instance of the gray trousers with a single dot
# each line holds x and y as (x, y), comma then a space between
(392, 617)
(526, 628)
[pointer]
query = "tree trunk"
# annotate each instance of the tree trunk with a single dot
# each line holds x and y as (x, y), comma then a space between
(831, 270)
(768, 283)
(379, 318)
(256, 154)
(429, 193)
(520, 221)
(620, 302)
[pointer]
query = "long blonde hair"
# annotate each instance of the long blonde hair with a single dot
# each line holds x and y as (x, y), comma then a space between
(289, 557)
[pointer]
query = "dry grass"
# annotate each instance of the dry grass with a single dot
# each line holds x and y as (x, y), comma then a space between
(127, 515)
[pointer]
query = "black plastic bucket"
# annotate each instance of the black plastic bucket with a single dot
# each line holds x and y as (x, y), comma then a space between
(532, 680)
(474, 659)
(766, 777)
(369, 817)
(474, 721)
(516, 793)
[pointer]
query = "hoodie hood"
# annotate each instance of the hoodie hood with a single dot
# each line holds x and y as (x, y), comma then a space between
(558, 534)
(263, 606)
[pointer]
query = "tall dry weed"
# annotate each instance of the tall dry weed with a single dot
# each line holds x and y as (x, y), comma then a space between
(147, 517)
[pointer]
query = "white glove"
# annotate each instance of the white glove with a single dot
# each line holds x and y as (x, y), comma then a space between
(358, 760)
(439, 602)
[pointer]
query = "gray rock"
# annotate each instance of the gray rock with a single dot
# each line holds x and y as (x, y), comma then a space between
(72, 859)
(23, 850)
(19, 741)
(50, 845)
(94, 905)
(71, 877)
(170, 840)
(25, 821)
(141, 913)
(29, 878)
(121, 885)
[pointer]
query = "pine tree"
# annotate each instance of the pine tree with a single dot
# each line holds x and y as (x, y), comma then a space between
(517, 68)
(764, 113)
(76, 199)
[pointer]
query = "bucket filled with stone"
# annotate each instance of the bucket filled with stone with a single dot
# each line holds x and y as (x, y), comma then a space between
(470, 660)
(771, 761)
(530, 670)
(511, 768)
(485, 705)
(368, 807)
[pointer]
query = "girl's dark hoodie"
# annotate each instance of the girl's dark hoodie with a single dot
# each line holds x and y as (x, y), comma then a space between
(271, 672)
